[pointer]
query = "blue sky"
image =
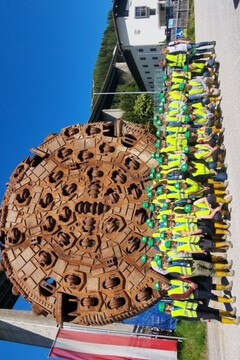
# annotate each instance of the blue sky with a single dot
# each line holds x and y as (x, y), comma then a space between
(48, 50)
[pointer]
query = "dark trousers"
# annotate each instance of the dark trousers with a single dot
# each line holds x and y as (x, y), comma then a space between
(206, 313)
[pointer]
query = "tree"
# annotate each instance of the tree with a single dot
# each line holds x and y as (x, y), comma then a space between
(105, 55)
(143, 107)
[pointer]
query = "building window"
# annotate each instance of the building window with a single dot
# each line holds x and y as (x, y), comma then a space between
(149, 77)
(145, 65)
(156, 65)
(155, 58)
(141, 12)
(153, 49)
(140, 50)
(147, 72)
(142, 58)
(152, 11)
(150, 82)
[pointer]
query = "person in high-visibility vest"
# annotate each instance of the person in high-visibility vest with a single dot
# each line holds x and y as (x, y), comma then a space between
(174, 61)
(200, 170)
(201, 209)
(178, 289)
(191, 244)
(187, 310)
(188, 269)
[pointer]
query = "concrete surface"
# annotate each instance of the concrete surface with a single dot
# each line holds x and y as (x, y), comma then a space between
(220, 20)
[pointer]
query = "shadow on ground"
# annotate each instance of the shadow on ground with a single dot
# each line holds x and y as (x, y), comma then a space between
(236, 3)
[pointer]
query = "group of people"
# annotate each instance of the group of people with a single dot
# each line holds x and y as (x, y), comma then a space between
(188, 200)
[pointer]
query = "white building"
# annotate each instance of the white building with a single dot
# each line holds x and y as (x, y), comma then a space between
(141, 32)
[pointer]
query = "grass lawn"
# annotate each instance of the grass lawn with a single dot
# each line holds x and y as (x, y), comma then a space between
(194, 345)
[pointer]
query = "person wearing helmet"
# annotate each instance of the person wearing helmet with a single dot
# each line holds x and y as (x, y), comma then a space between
(189, 269)
(186, 310)
(201, 209)
(178, 289)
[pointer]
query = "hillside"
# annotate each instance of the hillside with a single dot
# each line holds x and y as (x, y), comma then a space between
(105, 54)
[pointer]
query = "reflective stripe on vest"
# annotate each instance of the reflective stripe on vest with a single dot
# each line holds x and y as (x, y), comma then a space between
(189, 247)
(178, 313)
(194, 239)
(185, 304)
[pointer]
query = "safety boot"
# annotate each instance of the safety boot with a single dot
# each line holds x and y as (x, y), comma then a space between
(224, 273)
(226, 300)
(221, 287)
(228, 313)
(223, 266)
(225, 320)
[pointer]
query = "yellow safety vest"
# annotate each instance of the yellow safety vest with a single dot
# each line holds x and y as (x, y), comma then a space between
(176, 140)
(177, 129)
(183, 313)
(185, 304)
(194, 187)
(177, 75)
(201, 169)
(181, 270)
(176, 95)
(197, 90)
(194, 239)
(177, 60)
(195, 83)
(189, 248)
(179, 287)
(169, 118)
(176, 105)
(198, 67)
(202, 151)
(185, 227)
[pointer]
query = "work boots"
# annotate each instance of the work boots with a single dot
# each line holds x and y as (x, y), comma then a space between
(225, 320)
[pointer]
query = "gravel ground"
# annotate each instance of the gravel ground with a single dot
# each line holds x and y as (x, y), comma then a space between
(220, 20)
